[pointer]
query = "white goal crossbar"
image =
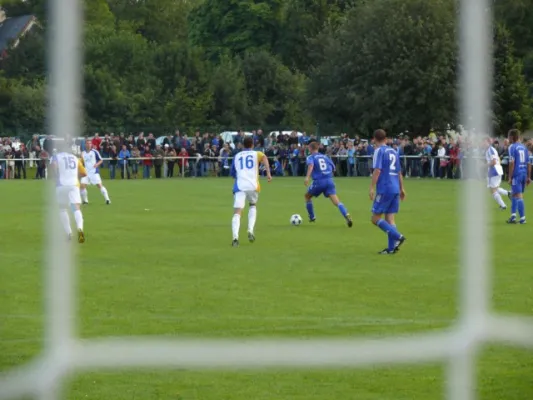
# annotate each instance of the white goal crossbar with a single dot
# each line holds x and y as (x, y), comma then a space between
(65, 354)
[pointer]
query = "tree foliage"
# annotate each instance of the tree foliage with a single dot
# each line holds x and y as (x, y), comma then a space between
(355, 64)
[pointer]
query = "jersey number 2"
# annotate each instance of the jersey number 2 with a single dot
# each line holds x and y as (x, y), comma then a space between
(70, 162)
(248, 162)
(392, 158)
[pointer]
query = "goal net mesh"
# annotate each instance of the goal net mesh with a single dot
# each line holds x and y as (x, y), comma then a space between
(457, 347)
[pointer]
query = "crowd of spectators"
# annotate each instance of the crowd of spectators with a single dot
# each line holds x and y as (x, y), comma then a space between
(205, 154)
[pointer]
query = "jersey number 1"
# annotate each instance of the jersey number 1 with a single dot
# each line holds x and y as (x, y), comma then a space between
(70, 162)
(522, 156)
(248, 162)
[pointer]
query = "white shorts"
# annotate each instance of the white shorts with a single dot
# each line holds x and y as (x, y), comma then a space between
(67, 195)
(92, 179)
(240, 198)
(494, 182)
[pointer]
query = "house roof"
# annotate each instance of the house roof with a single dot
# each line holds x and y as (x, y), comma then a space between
(11, 28)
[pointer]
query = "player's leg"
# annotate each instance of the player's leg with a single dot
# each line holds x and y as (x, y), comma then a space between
(309, 204)
(238, 205)
(75, 202)
(520, 202)
(97, 180)
(252, 198)
(390, 215)
(337, 203)
(517, 201)
(381, 206)
(62, 200)
(494, 185)
(83, 190)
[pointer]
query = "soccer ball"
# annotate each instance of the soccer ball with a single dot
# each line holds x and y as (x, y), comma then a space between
(296, 220)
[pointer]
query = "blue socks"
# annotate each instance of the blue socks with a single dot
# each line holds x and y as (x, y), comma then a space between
(392, 242)
(389, 230)
(343, 210)
(514, 205)
(521, 207)
(310, 210)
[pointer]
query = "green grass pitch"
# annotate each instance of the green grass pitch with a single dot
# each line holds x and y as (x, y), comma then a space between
(158, 261)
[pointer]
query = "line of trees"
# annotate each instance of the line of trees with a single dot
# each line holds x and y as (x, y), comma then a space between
(349, 65)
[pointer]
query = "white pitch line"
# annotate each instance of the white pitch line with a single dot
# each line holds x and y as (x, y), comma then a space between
(219, 317)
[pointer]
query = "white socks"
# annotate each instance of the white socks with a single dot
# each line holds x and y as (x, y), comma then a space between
(65, 221)
(235, 225)
(103, 190)
(252, 216)
(84, 195)
(503, 192)
(498, 199)
(79, 219)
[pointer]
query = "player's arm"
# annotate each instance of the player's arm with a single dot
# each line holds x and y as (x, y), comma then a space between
(528, 181)
(266, 164)
(233, 170)
(402, 190)
(511, 165)
(99, 160)
(81, 169)
(310, 167)
(377, 165)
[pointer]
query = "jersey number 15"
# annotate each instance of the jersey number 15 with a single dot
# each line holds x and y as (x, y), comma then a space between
(70, 162)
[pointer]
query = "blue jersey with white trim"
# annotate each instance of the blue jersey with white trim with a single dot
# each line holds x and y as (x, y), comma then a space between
(323, 167)
(520, 155)
(387, 160)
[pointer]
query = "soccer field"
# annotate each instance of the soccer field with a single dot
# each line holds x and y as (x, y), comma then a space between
(159, 261)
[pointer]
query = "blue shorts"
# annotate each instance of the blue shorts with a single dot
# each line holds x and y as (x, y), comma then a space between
(323, 186)
(518, 184)
(386, 204)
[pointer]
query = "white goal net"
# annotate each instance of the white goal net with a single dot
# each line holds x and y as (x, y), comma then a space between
(457, 347)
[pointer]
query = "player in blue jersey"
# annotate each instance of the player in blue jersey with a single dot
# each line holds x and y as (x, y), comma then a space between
(320, 168)
(519, 175)
(386, 191)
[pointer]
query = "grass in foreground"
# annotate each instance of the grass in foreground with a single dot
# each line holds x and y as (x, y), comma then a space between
(158, 261)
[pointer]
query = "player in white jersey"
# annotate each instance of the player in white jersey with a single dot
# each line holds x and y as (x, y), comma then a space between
(68, 168)
(495, 173)
(92, 161)
(245, 170)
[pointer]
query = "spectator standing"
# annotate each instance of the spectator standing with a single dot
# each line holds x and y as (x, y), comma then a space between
(21, 155)
(350, 164)
(44, 158)
(2, 162)
(113, 162)
(124, 161)
(97, 141)
(159, 155)
(141, 141)
(170, 155)
(183, 161)
(135, 154)
(147, 162)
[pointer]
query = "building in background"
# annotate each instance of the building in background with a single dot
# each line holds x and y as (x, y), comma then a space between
(12, 30)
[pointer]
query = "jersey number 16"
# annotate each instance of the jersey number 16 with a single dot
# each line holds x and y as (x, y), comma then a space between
(247, 162)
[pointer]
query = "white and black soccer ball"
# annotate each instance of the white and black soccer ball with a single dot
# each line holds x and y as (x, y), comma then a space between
(296, 220)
